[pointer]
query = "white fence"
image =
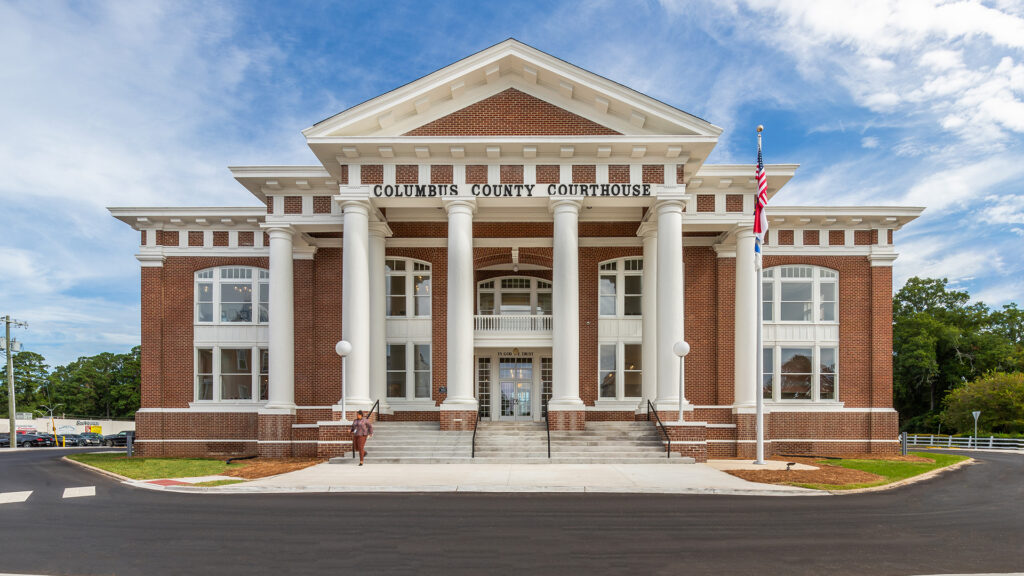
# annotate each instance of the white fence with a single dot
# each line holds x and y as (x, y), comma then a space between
(512, 323)
(966, 442)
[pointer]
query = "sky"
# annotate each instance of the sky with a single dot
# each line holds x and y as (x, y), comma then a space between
(907, 102)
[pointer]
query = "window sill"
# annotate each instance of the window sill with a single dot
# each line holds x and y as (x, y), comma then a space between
(226, 405)
(613, 405)
(803, 405)
(413, 405)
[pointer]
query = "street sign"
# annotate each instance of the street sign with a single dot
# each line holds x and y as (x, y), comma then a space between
(23, 415)
(976, 413)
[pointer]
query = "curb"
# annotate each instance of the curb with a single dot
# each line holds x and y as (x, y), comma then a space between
(109, 474)
(906, 481)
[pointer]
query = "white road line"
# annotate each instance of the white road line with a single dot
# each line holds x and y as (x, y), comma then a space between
(12, 497)
(79, 492)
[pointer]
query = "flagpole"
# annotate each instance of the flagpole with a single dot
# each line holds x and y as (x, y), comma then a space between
(759, 378)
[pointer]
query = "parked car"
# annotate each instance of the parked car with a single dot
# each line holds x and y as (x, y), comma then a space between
(33, 440)
(92, 438)
(5, 440)
(70, 440)
(48, 439)
(119, 439)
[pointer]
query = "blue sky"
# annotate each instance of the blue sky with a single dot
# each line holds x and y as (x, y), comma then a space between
(146, 104)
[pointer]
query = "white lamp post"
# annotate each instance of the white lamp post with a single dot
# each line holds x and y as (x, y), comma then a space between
(681, 349)
(343, 348)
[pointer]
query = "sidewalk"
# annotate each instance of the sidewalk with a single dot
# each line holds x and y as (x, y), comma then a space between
(596, 478)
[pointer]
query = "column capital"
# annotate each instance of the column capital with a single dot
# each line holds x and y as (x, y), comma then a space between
(669, 207)
(379, 229)
(648, 229)
(564, 204)
(278, 230)
(361, 206)
(459, 205)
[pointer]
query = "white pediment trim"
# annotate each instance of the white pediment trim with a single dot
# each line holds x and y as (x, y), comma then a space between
(512, 64)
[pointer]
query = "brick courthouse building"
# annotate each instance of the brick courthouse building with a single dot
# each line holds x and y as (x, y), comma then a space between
(508, 234)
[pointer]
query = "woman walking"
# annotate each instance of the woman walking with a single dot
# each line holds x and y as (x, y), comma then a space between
(361, 430)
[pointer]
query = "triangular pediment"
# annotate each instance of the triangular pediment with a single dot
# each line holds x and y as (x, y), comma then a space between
(511, 89)
(512, 112)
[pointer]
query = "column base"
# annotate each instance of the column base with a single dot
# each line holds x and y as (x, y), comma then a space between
(453, 420)
(274, 433)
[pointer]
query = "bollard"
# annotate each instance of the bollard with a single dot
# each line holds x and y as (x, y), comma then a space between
(129, 442)
(903, 443)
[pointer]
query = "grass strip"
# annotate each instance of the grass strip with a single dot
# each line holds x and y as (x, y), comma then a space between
(218, 482)
(890, 470)
(153, 468)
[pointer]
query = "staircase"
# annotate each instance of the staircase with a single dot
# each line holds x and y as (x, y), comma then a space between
(414, 443)
(515, 443)
(600, 443)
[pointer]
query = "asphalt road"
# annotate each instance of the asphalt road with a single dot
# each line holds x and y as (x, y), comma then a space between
(968, 521)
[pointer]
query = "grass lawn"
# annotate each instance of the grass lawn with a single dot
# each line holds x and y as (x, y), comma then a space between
(890, 470)
(150, 468)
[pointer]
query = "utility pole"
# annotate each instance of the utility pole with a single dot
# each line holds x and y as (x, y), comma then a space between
(9, 345)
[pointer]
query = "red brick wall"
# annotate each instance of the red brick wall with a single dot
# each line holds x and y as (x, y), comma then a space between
(811, 237)
(618, 174)
(584, 173)
(324, 315)
(705, 202)
(476, 174)
(548, 174)
(195, 238)
(407, 174)
(700, 325)
(511, 113)
(511, 174)
(441, 173)
(725, 269)
(167, 237)
(293, 204)
(653, 174)
(321, 204)
(734, 202)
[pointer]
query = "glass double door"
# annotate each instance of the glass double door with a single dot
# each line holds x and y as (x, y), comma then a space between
(515, 381)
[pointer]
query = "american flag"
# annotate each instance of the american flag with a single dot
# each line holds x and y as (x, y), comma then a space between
(760, 219)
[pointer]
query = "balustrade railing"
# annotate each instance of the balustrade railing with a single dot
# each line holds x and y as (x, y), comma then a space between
(512, 323)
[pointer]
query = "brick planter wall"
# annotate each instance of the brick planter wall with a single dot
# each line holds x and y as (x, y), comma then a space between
(567, 419)
(457, 420)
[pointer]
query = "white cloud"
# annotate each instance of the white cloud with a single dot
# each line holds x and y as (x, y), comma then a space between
(1004, 209)
(869, 142)
(957, 186)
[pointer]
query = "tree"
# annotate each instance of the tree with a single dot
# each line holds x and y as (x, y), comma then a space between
(30, 379)
(106, 385)
(999, 396)
(941, 340)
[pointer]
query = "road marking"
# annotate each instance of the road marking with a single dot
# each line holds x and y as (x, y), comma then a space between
(79, 492)
(12, 497)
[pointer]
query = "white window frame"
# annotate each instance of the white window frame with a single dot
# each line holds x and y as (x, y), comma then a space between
(620, 370)
(260, 281)
(776, 371)
(493, 286)
(410, 273)
(257, 374)
(618, 267)
(819, 276)
(410, 370)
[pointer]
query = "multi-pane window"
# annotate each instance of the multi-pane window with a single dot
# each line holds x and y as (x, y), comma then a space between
(800, 373)
(483, 386)
(408, 371)
(799, 294)
(546, 381)
(231, 294)
(620, 372)
(620, 287)
(229, 374)
(407, 287)
(514, 295)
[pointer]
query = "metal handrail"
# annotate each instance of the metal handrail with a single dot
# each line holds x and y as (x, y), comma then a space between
(661, 428)
(376, 406)
(479, 412)
(547, 424)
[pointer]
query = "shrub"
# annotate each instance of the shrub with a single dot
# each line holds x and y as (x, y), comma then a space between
(999, 396)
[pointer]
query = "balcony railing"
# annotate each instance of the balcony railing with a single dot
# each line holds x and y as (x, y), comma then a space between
(512, 323)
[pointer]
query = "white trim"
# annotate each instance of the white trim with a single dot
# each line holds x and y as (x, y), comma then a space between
(721, 425)
(208, 406)
(195, 440)
(304, 426)
(613, 405)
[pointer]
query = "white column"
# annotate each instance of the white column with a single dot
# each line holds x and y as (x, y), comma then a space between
(565, 307)
(745, 335)
(355, 303)
(378, 352)
(670, 301)
(281, 393)
(649, 309)
(460, 306)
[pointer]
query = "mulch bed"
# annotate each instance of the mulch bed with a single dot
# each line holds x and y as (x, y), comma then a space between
(263, 467)
(825, 474)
